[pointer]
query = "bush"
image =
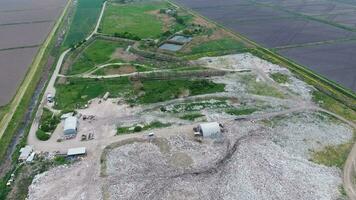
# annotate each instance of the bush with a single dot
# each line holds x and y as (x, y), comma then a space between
(242, 111)
(127, 35)
(180, 20)
(166, 33)
(137, 129)
(60, 160)
(191, 116)
(280, 78)
(41, 135)
(49, 121)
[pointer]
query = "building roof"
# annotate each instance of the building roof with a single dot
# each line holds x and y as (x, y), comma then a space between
(70, 123)
(210, 129)
(25, 152)
(31, 157)
(76, 151)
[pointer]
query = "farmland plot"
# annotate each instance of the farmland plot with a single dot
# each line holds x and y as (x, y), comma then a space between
(294, 23)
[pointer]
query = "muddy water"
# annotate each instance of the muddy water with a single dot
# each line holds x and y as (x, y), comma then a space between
(24, 25)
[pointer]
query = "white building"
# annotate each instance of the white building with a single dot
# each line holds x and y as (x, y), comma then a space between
(76, 151)
(70, 125)
(25, 152)
(31, 157)
(211, 129)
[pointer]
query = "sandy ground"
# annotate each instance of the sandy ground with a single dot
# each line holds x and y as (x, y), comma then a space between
(246, 163)
(252, 160)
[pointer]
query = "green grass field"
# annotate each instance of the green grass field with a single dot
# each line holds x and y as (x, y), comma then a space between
(79, 91)
(192, 116)
(133, 18)
(163, 90)
(110, 69)
(241, 111)
(333, 156)
(83, 22)
(48, 124)
(218, 47)
(3, 111)
(280, 78)
(98, 52)
(333, 105)
(260, 88)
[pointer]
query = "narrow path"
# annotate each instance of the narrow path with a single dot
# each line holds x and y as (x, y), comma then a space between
(50, 89)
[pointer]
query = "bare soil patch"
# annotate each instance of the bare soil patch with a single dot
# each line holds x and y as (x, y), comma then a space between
(126, 69)
(120, 53)
(166, 19)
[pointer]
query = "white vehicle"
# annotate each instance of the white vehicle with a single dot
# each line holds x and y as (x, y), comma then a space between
(50, 98)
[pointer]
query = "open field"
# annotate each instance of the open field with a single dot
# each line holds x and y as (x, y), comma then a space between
(13, 36)
(14, 65)
(292, 31)
(287, 24)
(80, 91)
(139, 19)
(98, 52)
(22, 24)
(29, 16)
(322, 59)
(218, 45)
(83, 21)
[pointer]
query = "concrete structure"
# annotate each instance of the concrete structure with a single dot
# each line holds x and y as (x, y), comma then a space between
(106, 96)
(211, 129)
(76, 151)
(65, 116)
(70, 125)
(31, 157)
(25, 152)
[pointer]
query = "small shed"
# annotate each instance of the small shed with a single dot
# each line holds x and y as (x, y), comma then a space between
(211, 129)
(76, 151)
(106, 96)
(31, 157)
(66, 115)
(70, 125)
(25, 152)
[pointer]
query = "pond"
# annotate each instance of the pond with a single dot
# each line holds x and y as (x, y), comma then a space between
(171, 47)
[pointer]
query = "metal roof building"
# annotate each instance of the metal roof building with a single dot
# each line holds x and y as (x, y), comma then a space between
(211, 129)
(70, 125)
(76, 151)
(25, 152)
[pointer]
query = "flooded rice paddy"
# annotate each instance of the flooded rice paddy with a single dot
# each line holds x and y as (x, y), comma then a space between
(320, 34)
(24, 25)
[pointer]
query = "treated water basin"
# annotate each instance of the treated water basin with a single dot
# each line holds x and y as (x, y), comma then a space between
(180, 39)
(171, 47)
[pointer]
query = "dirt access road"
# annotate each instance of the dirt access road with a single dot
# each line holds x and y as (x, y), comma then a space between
(50, 87)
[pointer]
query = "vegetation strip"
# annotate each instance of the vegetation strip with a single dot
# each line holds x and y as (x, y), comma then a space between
(23, 47)
(33, 22)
